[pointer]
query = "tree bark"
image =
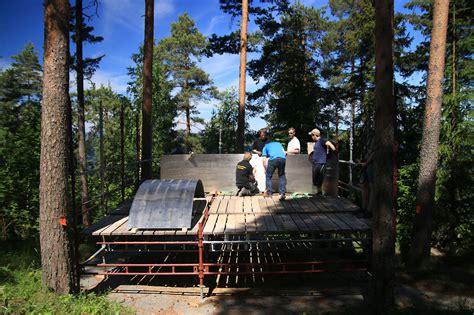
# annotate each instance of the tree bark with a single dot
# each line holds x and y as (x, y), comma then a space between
(381, 205)
(57, 253)
(147, 129)
(81, 117)
(421, 243)
(242, 75)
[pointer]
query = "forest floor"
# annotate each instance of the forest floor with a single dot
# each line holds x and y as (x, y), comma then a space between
(442, 289)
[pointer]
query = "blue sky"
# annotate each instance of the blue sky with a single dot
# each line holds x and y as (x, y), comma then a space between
(121, 23)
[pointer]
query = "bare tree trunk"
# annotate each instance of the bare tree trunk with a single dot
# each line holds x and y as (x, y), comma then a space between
(188, 121)
(147, 129)
(383, 224)
(242, 74)
(421, 243)
(80, 112)
(57, 250)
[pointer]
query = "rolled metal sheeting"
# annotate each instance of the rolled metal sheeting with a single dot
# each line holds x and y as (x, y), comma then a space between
(165, 204)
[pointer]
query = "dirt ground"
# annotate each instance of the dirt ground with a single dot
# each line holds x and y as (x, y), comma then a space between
(297, 294)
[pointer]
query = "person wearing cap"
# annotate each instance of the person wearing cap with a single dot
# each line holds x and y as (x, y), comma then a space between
(294, 144)
(274, 159)
(319, 157)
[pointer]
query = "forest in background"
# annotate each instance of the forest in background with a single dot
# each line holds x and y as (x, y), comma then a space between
(314, 63)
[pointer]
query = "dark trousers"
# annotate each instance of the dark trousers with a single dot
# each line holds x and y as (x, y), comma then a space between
(318, 174)
(279, 164)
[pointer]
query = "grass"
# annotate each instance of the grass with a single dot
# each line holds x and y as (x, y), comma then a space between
(21, 291)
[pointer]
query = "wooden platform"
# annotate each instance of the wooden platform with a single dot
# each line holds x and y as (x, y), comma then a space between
(231, 215)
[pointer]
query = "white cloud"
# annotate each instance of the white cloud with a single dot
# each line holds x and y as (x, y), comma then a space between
(215, 21)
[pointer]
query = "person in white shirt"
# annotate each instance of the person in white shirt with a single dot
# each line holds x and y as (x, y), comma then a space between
(294, 144)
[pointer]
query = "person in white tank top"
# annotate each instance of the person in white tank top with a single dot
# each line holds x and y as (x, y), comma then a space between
(294, 144)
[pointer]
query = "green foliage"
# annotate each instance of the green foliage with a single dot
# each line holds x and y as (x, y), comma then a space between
(224, 123)
(164, 109)
(20, 114)
(21, 291)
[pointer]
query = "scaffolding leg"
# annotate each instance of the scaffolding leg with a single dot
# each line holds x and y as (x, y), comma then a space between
(201, 262)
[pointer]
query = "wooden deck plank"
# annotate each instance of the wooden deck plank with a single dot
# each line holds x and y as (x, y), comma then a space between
(288, 223)
(342, 226)
(263, 205)
(239, 223)
(210, 224)
(215, 205)
(260, 222)
(305, 205)
(355, 222)
(278, 205)
(238, 205)
(230, 226)
(312, 225)
(111, 228)
(269, 222)
(324, 222)
(223, 204)
(232, 204)
(220, 224)
(247, 204)
(256, 204)
(98, 227)
(250, 224)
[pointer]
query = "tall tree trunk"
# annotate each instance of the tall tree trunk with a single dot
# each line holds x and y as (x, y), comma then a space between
(383, 224)
(147, 129)
(57, 250)
(188, 121)
(421, 243)
(242, 75)
(81, 117)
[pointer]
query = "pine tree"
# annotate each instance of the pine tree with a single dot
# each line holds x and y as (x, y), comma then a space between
(20, 114)
(180, 53)
(57, 254)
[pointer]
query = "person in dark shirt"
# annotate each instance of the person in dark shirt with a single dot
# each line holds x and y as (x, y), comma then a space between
(319, 157)
(260, 142)
(244, 177)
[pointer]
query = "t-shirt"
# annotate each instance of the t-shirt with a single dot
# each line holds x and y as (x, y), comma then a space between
(320, 153)
(242, 173)
(273, 150)
(258, 144)
(293, 144)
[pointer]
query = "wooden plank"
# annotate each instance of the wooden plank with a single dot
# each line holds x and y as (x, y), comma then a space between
(318, 203)
(238, 205)
(232, 204)
(256, 203)
(312, 225)
(98, 227)
(223, 204)
(278, 205)
(288, 223)
(250, 225)
(111, 228)
(306, 205)
(300, 222)
(353, 221)
(215, 205)
(263, 205)
(324, 222)
(230, 226)
(220, 224)
(340, 223)
(247, 205)
(239, 223)
(260, 221)
(210, 224)
(269, 222)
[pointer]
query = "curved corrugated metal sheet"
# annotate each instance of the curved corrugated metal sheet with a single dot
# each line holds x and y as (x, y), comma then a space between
(164, 204)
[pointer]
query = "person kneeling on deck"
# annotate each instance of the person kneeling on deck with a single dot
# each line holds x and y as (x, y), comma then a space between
(245, 177)
(275, 158)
